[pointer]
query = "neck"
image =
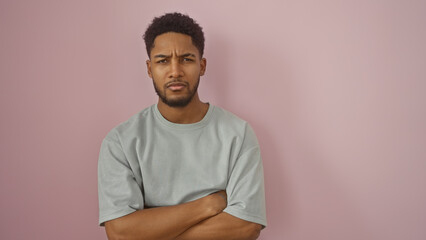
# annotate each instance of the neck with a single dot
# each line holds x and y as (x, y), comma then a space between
(191, 113)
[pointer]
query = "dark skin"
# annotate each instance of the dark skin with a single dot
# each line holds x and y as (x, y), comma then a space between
(175, 59)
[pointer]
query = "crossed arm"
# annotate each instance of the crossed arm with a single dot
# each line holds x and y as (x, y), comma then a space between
(201, 219)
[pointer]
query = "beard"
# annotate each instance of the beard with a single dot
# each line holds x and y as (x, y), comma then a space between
(180, 101)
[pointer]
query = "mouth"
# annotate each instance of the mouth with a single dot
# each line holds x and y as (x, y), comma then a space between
(176, 86)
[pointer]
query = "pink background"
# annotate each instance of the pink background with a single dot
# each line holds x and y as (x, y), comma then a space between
(335, 91)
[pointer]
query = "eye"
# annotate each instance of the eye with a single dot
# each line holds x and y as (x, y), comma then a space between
(188, 60)
(162, 61)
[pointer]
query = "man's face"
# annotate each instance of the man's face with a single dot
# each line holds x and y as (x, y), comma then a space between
(175, 68)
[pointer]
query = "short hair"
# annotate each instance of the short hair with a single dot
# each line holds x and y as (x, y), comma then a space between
(174, 22)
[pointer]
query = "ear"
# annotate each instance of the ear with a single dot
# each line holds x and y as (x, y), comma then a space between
(148, 68)
(203, 65)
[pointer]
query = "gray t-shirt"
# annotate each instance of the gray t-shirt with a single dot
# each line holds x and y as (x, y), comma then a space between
(148, 161)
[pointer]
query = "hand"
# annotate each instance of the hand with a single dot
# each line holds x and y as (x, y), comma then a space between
(217, 201)
(224, 197)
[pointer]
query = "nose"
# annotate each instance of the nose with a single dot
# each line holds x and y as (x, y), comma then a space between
(175, 69)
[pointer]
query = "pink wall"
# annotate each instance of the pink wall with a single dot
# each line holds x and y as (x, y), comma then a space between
(334, 89)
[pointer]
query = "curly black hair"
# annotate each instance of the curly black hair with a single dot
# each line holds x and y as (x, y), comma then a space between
(174, 22)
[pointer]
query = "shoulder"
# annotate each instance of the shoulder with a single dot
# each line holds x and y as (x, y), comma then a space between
(227, 118)
(130, 126)
(231, 123)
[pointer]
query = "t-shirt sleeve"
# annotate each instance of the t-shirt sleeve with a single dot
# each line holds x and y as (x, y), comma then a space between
(245, 189)
(118, 192)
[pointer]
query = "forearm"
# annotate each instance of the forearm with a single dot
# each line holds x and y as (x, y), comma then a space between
(159, 223)
(222, 226)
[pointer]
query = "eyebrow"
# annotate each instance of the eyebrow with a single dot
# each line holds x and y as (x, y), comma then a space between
(167, 56)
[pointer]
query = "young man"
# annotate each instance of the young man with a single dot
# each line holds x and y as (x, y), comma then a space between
(180, 169)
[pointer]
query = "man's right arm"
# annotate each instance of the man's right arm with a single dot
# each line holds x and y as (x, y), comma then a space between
(165, 222)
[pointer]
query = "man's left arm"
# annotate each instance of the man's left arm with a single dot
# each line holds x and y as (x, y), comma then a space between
(222, 226)
(245, 214)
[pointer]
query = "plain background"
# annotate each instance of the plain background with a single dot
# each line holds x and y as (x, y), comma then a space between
(335, 91)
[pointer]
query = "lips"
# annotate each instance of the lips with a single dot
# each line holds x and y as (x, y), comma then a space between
(176, 86)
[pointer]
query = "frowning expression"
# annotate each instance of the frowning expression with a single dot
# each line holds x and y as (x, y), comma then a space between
(175, 67)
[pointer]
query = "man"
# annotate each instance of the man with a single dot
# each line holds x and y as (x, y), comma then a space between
(182, 168)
